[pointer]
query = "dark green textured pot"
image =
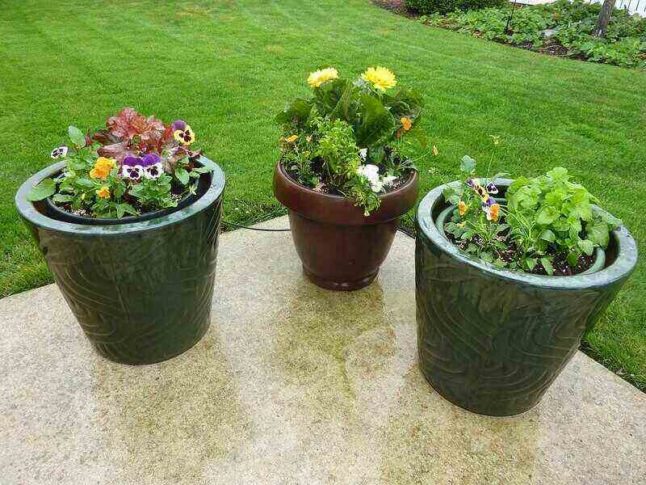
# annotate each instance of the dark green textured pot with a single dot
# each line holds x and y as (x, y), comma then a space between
(141, 291)
(491, 340)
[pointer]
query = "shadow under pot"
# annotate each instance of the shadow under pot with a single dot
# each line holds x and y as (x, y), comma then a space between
(340, 247)
(140, 287)
(492, 340)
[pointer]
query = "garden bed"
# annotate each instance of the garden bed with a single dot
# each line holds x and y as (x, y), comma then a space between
(562, 28)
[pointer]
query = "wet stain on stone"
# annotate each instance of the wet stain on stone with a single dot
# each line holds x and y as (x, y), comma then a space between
(429, 440)
(166, 422)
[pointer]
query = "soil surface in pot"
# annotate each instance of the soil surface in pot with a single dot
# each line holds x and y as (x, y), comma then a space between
(512, 253)
(317, 166)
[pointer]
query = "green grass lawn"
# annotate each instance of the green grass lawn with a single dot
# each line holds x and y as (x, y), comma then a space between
(228, 66)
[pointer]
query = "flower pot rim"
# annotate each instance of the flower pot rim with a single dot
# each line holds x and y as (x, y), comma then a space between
(621, 267)
(309, 203)
(27, 209)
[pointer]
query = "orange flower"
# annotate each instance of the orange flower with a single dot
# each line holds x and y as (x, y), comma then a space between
(493, 213)
(103, 192)
(407, 124)
(462, 208)
(102, 168)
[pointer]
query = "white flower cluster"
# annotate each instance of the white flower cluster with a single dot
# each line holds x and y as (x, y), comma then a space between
(377, 182)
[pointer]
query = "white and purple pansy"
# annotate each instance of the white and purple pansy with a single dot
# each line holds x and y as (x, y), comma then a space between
(152, 165)
(59, 152)
(491, 188)
(132, 168)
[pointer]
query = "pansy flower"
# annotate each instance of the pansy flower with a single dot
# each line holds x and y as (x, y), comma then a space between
(102, 168)
(185, 135)
(492, 211)
(152, 166)
(132, 168)
(491, 188)
(462, 208)
(59, 152)
(103, 192)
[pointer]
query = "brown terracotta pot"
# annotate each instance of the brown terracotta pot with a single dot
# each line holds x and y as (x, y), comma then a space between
(340, 248)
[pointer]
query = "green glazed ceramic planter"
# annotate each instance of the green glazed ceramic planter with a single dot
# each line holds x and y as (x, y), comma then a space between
(491, 340)
(141, 291)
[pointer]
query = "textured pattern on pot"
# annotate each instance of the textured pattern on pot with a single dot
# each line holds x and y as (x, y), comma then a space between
(340, 247)
(491, 340)
(141, 290)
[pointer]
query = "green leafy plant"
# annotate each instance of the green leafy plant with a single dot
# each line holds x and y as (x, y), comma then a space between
(546, 224)
(425, 7)
(346, 138)
(135, 165)
(563, 27)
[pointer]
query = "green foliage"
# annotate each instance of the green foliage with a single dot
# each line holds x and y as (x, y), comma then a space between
(546, 218)
(551, 212)
(347, 126)
(425, 7)
(571, 24)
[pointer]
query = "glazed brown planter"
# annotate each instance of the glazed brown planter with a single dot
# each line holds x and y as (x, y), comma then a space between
(340, 248)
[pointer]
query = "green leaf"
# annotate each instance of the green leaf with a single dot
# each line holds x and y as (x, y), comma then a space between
(547, 264)
(598, 233)
(547, 215)
(41, 191)
(62, 198)
(530, 263)
(573, 258)
(76, 136)
(376, 122)
(548, 236)
(468, 164)
(586, 246)
(182, 175)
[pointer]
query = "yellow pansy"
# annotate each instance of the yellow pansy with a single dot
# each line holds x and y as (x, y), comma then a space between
(380, 78)
(462, 208)
(102, 168)
(103, 192)
(185, 136)
(407, 124)
(317, 78)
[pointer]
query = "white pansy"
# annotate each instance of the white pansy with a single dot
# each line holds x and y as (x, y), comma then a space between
(377, 182)
(363, 153)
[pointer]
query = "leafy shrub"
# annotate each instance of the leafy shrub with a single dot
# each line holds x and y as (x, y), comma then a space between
(571, 25)
(425, 7)
(344, 139)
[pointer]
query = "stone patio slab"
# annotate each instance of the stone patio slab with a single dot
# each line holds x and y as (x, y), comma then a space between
(292, 384)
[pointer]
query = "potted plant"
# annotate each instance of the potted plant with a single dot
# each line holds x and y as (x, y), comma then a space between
(128, 223)
(342, 175)
(509, 277)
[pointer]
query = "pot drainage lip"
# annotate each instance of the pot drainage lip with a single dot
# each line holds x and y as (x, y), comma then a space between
(29, 211)
(623, 265)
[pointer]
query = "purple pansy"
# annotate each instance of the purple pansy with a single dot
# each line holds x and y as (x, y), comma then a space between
(491, 188)
(152, 165)
(471, 183)
(132, 168)
(178, 125)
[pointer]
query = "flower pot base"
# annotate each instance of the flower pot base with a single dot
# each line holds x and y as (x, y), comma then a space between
(340, 285)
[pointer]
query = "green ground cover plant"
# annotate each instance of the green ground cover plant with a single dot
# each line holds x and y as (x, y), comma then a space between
(228, 67)
(562, 28)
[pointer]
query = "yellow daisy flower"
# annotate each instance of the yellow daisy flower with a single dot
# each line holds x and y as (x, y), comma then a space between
(103, 192)
(317, 78)
(380, 78)
(102, 168)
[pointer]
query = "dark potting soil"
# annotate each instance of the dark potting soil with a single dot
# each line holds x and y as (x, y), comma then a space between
(512, 253)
